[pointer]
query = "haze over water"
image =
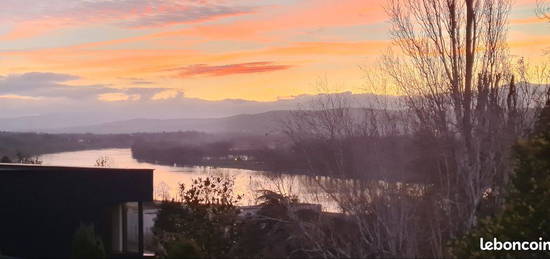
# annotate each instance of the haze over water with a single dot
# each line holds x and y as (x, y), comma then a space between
(167, 178)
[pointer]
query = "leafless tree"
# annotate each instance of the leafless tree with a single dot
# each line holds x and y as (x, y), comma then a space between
(381, 216)
(162, 191)
(543, 9)
(458, 80)
(28, 159)
(104, 161)
(464, 98)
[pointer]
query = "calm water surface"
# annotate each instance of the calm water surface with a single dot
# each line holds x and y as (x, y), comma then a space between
(168, 178)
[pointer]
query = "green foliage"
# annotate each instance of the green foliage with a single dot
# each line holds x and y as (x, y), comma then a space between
(86, 244)
(5, 159)
(206, 214)
(183, 249)
(525, 216)
(28, 159)
(275, 205)
(207, 219)
(273, 232)
(42, 143)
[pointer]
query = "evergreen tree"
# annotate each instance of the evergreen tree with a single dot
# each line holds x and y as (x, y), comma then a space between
(5, 159)
(86, 244)
(526, 214)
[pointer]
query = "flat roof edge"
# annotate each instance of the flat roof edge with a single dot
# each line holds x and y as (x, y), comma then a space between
(15, 166)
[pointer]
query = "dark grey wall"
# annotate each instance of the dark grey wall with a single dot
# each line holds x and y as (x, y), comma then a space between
(41, 207)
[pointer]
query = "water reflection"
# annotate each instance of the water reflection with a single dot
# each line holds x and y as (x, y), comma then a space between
(168, 178)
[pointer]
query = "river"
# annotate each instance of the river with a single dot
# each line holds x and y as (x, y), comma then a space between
(167, 178)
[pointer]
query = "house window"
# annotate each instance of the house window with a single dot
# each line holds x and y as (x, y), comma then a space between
(128, 228)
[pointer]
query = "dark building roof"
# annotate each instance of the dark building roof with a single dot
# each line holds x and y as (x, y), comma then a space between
(41, 206)
(36, 167)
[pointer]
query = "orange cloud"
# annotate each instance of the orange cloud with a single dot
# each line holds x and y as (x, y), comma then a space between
(224, 70)
(90, 63)
(19, 97)
(269, 22)
(116, 97)
(29, 29)
(529, 20)
(332, 48)
(530, 43)
(166, 94)
(525, 2)
(309, 15)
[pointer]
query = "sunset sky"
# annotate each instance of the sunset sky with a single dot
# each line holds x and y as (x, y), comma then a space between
(156, 50)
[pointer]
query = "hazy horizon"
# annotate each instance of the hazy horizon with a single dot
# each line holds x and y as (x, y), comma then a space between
(114, 60)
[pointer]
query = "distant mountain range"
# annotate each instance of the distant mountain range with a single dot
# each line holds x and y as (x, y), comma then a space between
(169, 115)
(261, 123)
(230, 115)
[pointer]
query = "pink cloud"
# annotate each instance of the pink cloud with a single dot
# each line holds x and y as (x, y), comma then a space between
(29, 18)
(307, 15)
(224, 70)
(265, 23)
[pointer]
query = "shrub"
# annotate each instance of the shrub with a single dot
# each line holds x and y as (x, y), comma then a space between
(86, 244)
(206, 214)
(525, 213)
(183, 249)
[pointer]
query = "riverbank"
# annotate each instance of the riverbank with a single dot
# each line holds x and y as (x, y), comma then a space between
(239, 164)
(167, 178)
